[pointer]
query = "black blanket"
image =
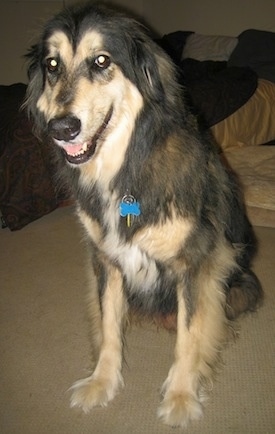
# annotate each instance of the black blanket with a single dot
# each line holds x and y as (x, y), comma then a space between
(214, 90)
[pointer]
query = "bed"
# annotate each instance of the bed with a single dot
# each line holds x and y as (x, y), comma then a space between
(230, 85)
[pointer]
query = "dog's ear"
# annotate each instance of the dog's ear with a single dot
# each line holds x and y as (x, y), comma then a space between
(147, 70)
(34, 57)
(35, 86)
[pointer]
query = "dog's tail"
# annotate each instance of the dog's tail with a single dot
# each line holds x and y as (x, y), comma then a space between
(244, 294)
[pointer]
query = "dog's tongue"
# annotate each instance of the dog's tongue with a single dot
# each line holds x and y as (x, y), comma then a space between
(73, 149)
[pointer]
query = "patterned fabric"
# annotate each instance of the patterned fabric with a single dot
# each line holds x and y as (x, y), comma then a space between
(27, 187)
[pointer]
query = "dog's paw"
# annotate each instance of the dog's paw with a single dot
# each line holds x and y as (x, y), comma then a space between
(178, 409)
(92, 392)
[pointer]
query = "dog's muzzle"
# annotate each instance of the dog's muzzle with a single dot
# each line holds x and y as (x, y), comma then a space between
(64, 131)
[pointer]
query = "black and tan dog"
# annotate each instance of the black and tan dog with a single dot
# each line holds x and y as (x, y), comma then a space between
(164, 220)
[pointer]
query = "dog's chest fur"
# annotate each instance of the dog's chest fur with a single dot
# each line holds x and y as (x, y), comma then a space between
(146, 256)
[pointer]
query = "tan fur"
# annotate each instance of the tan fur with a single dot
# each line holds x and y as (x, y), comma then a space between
(58, 44)
(127, 103)
(106, 379)
(92, 227)
(95, 315)
(91, 44)
(163, 241)
(198, 347)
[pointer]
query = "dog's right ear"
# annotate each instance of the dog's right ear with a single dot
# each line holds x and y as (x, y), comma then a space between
(33, 57)
(35, 86)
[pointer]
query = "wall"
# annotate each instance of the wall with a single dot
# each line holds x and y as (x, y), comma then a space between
(221, 17)
(20, 21)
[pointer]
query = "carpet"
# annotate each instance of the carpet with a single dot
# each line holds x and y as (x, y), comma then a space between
(44, 337)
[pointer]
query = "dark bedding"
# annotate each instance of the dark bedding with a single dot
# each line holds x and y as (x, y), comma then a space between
(27, 186)
(256, 49)
(215, 91)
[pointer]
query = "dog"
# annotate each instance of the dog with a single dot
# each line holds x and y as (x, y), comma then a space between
(164, 219)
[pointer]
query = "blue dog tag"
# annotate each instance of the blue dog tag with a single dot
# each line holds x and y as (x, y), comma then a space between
(129, 207)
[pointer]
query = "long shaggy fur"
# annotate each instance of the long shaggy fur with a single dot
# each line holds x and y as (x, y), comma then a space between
(107, 98)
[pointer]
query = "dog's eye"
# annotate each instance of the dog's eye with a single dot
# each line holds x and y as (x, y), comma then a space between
(103, 61)
(52, 64)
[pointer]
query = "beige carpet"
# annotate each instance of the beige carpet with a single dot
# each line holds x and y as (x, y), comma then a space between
(45, 346)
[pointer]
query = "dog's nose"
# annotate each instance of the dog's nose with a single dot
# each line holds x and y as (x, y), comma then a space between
(65, 128)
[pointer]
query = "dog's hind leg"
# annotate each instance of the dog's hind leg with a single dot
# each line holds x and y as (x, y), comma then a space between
(244, 294)
(104, 383)
(199, 341)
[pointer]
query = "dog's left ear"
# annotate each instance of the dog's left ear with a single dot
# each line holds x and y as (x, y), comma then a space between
(148, 74)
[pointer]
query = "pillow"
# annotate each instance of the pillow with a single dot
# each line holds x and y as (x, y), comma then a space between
(207, 47)
(256, 49)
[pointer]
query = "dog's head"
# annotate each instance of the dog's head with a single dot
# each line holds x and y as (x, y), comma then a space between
(91, 75)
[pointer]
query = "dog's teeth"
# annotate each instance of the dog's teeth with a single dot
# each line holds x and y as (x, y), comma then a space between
(82, 150)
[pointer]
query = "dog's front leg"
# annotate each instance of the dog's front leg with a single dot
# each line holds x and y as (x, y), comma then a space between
(180, 402)
(103, 384)
(199, 340)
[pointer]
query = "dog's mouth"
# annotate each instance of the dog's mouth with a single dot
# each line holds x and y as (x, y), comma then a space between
(79, 153)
